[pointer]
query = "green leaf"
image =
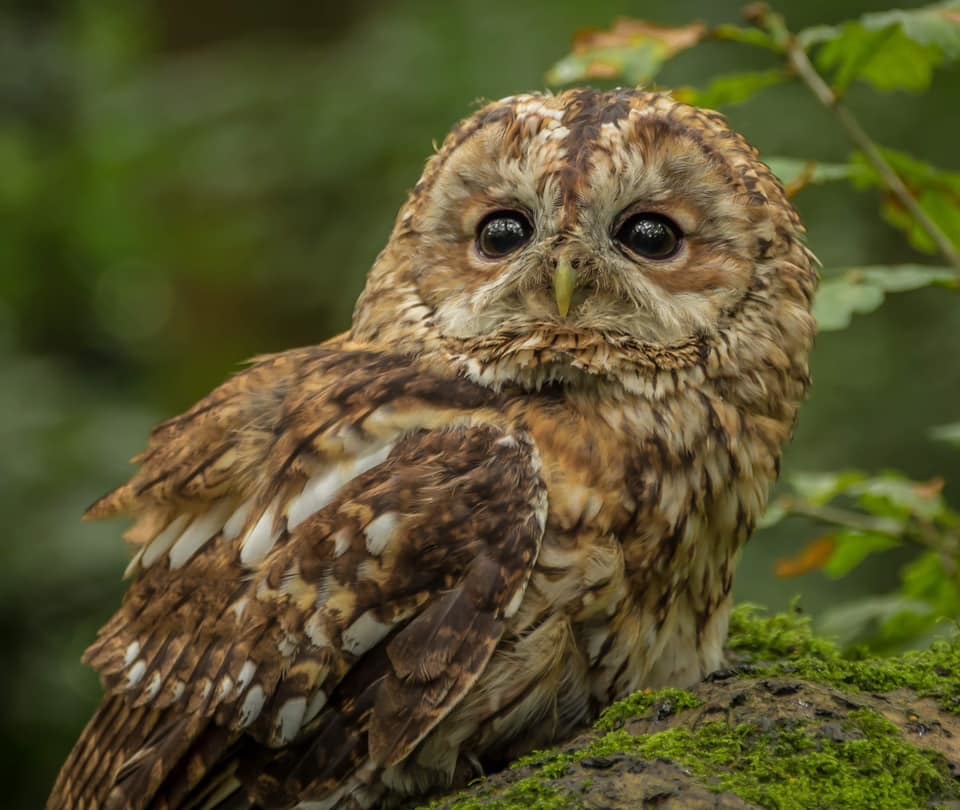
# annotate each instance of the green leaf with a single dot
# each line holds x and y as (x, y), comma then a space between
(894, 495)
(817, 35)
(914, 628)
(637, 65)
(937, 191)
(894, 50)
(926, 578)
(736, 88)
(852, 621)
(755, 37)
(839, 298)
(776, 511)
(917, 174)
(820, 487)
(947, 433)
(944, 209)
(792, 170)
(937, 25)
(904, 277)
(939, 208)
(886, 58)
(863, 289)
(852, 548)
(632, 51)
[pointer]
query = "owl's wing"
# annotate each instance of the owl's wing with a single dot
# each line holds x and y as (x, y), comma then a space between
(327, 511)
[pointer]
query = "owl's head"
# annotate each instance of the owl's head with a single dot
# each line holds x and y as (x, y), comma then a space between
(589, 234)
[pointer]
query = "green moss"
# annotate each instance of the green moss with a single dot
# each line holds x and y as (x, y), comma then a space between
(785, 768)
(663, 702)
(792, 769)
(639, 704)
(785, 645)
(786, 635)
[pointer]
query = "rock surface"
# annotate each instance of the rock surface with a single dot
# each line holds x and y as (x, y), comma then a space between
(790, 725)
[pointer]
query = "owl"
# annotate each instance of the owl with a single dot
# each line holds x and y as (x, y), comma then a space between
(513, 492)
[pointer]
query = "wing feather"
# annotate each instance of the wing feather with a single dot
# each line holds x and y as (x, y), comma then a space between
(327, 509)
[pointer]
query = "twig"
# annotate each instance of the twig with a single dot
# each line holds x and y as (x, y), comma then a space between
(804, 69)
(837, 516)
(924, 535)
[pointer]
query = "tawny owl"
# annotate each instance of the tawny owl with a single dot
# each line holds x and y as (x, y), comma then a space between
(513, 492)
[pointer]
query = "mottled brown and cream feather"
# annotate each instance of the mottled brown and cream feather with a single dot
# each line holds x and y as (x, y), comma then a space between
(461, 529)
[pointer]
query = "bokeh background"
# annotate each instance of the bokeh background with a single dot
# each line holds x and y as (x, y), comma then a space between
(186, 184)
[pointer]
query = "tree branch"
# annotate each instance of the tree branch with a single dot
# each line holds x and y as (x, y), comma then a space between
(802, 66)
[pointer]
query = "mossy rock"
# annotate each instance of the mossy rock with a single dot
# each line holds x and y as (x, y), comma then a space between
(790, 725)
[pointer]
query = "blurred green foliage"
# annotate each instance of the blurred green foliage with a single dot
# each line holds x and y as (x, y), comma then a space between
(185, 185)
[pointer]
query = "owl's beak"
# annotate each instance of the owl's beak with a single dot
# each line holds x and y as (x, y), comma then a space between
(564, 285)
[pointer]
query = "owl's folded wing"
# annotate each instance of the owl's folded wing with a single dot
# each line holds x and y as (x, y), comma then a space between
(327, 511)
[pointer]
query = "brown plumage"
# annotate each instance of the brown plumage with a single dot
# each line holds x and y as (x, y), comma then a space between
(512, 493)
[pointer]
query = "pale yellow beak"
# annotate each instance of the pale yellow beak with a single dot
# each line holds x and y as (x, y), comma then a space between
(564, 285)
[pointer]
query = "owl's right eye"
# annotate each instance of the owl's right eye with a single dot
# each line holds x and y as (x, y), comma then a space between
(503, 232)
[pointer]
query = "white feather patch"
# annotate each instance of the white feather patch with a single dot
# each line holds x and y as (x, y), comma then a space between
(247, 672)
(136, 673)
(380, 531)
(317, 702)
(239, 608)
(317, 493)
(153, 686)
(159, 545)
(132, 651)
(236, 521)
(197, 534)
(365, 633)
(289, 719)
(341, 542)
(260, 539)
(371, 460)
(133, 565)
(223, 689)
(252, 706)
(287, 646)
(514, 604)
(321, 489)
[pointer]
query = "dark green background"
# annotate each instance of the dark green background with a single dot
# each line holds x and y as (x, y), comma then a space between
(186, 184)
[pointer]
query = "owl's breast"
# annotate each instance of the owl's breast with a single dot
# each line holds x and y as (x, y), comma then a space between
(585, 464)
(592, 507)
(648, 505)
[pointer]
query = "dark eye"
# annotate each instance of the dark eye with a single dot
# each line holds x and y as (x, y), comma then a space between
(649, 235)
(503, 232)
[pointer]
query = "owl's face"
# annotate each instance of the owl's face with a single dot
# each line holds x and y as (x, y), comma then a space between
(592, 218)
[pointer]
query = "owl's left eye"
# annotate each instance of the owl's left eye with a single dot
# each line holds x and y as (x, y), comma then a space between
(651, 236)
(503, 232)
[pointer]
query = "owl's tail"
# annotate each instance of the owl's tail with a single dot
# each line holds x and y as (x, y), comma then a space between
(89, 773)
(131, 758)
